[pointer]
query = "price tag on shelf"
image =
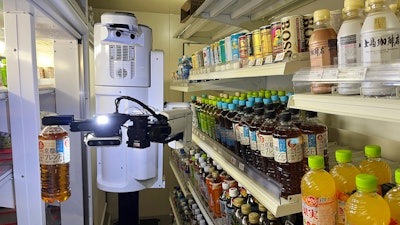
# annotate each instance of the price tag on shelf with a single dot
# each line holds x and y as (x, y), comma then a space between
(330, 74)
(233, 160)
(268, 59)
(259, 62)
(358, 73)
(316, 74)
(241, 166)
(279, 57)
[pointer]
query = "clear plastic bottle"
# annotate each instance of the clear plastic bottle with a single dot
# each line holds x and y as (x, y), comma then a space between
(235, 125)
(344, 173)
(230, 207)
(288, 155)
(265, 144)
(230, 134)
(217, 114)
(392, 197)
(373, 164)
(349, 40)
(215, 190)
(381, 27)
(366, 206)
(54, 156)
(224, 111)
(244, 126)
(223, 201)
(318, 194)
(254, 127)
(315, 138)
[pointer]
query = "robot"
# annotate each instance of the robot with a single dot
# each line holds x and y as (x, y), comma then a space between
(129, 137)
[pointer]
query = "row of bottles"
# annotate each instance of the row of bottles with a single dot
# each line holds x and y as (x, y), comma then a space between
(186, 208)
(265, 134)
(227, 200)
(350, 194)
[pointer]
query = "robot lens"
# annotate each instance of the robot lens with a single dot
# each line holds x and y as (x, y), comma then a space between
(132, 36)
(118, 33)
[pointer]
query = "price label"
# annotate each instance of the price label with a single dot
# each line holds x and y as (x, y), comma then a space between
(241, 166)
(279, 57)
(233, 160)
(330, 74)
(251, 62)
(268, 59)
(354, 73)
(316, 74)
(259, 62)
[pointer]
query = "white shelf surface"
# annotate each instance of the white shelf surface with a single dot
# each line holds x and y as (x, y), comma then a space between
(182, 183)
(175, 212)
(383, 109)
(263, 188)
(273, 69)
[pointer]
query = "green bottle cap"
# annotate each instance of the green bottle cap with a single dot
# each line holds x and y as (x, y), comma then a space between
(274, 92)
(366, 182)
(343, 155)
(281, 93)
(397, 176)
(193, 97)
(316, 162)
(372, 151)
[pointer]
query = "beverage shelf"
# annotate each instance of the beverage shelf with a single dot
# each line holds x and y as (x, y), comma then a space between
(273, 69)
(177, 217)
(6, 186)
(383, 109)
(203, 208)
(178, 176)
(264, 189)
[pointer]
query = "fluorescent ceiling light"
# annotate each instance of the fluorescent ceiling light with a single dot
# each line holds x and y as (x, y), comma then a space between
(194, 27)
(247, 8)
(220, 6)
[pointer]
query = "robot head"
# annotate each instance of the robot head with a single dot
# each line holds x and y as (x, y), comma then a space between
(122, 27)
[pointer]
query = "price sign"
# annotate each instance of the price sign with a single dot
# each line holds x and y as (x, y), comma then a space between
(316, 74)
(268, 59)
(354, 73)
(279, 57)
(241, 166)
(330, 74)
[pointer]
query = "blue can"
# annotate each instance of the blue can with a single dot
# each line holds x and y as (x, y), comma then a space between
(207, 56)
(235, 46)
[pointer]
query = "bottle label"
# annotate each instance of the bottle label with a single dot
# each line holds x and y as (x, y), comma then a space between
(266, 145)
(349, 49)
(236, 128)
(230, 137)
(288, 150)
(380, 46)
(315, 144)
(323, 53)
(244, 135)
(253, 140)
(342, 198)
(52, 152)
(319, 210)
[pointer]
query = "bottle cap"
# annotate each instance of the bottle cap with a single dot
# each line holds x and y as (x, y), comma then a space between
(372, 151)
(245, 208)
(274, 92)
(237, 202)
(258, 99)
(225, 185)
(375, 1)
(366, 182)
(322, 14)
(267, 101)
(270, 216)
(249, 104)
(254, 217)
(232, 106)
(274, 98)
(233, 192)
(353, 4)
(262, 208)
(215, 173)
(343, 155)
(281, 93)
(284, 98)
(397, 176)
(316, 162)
(193, 97)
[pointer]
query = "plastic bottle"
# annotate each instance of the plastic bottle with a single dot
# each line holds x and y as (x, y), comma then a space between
(244, 126)
(322, 47)
(366, 206)
(263, 220)
(224, 111)
(211, 119)
(272, 220)
(230, 134)
(223, 201)
(54, 156)
(216, 190)
(288, 155)
(230, 207)
(4, 72)
(344, 174)
(315, 138)
(380, 27)
(318, 193)
(193, 102)
(323, 40)
(254, 127)
(373, 164)
(237, 213)
(392, 197)
(217, 114)
(348, 37)
(243, 217)
(265, 143)
(254, 218)
(235, 125)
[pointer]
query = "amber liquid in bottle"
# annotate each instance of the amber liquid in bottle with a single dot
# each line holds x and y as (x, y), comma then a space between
(235, 125)
(244, 126)
(255, 125)
(54, 164)
(229, 129)
(288, 155)
(265, 144)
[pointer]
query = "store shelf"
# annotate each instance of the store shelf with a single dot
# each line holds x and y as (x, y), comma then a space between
(215, 19)
(273, 69)
(383, 109)
(206, 213)
(178, 220)
(264, 189)
(178, 176)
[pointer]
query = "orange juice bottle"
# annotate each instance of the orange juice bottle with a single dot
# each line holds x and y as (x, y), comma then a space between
(344, 173)
(373, 164)
(366, 206)
(318, 194)
(393, 199)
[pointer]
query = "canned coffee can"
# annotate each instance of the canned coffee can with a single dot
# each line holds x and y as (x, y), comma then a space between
(292, 34)
(257, 49)
(243, 51)
(249, 42)
(276, 35)
(235, 46)
(308, 25)
(266, 40)
(207, 56)
(222, 51)
(228, 49)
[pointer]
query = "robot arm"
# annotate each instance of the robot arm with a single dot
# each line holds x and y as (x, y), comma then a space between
(172, 126)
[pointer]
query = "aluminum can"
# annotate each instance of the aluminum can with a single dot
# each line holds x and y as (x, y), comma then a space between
(207, 56)
(228, 48)
(235, 46)
(257, 48)
(308, 25)
(266, 40)
(276, 35)
(222, 55)
(243, 47)
(249, 42)
(293, 34)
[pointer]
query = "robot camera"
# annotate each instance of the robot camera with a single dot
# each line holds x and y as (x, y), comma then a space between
(93, 141)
